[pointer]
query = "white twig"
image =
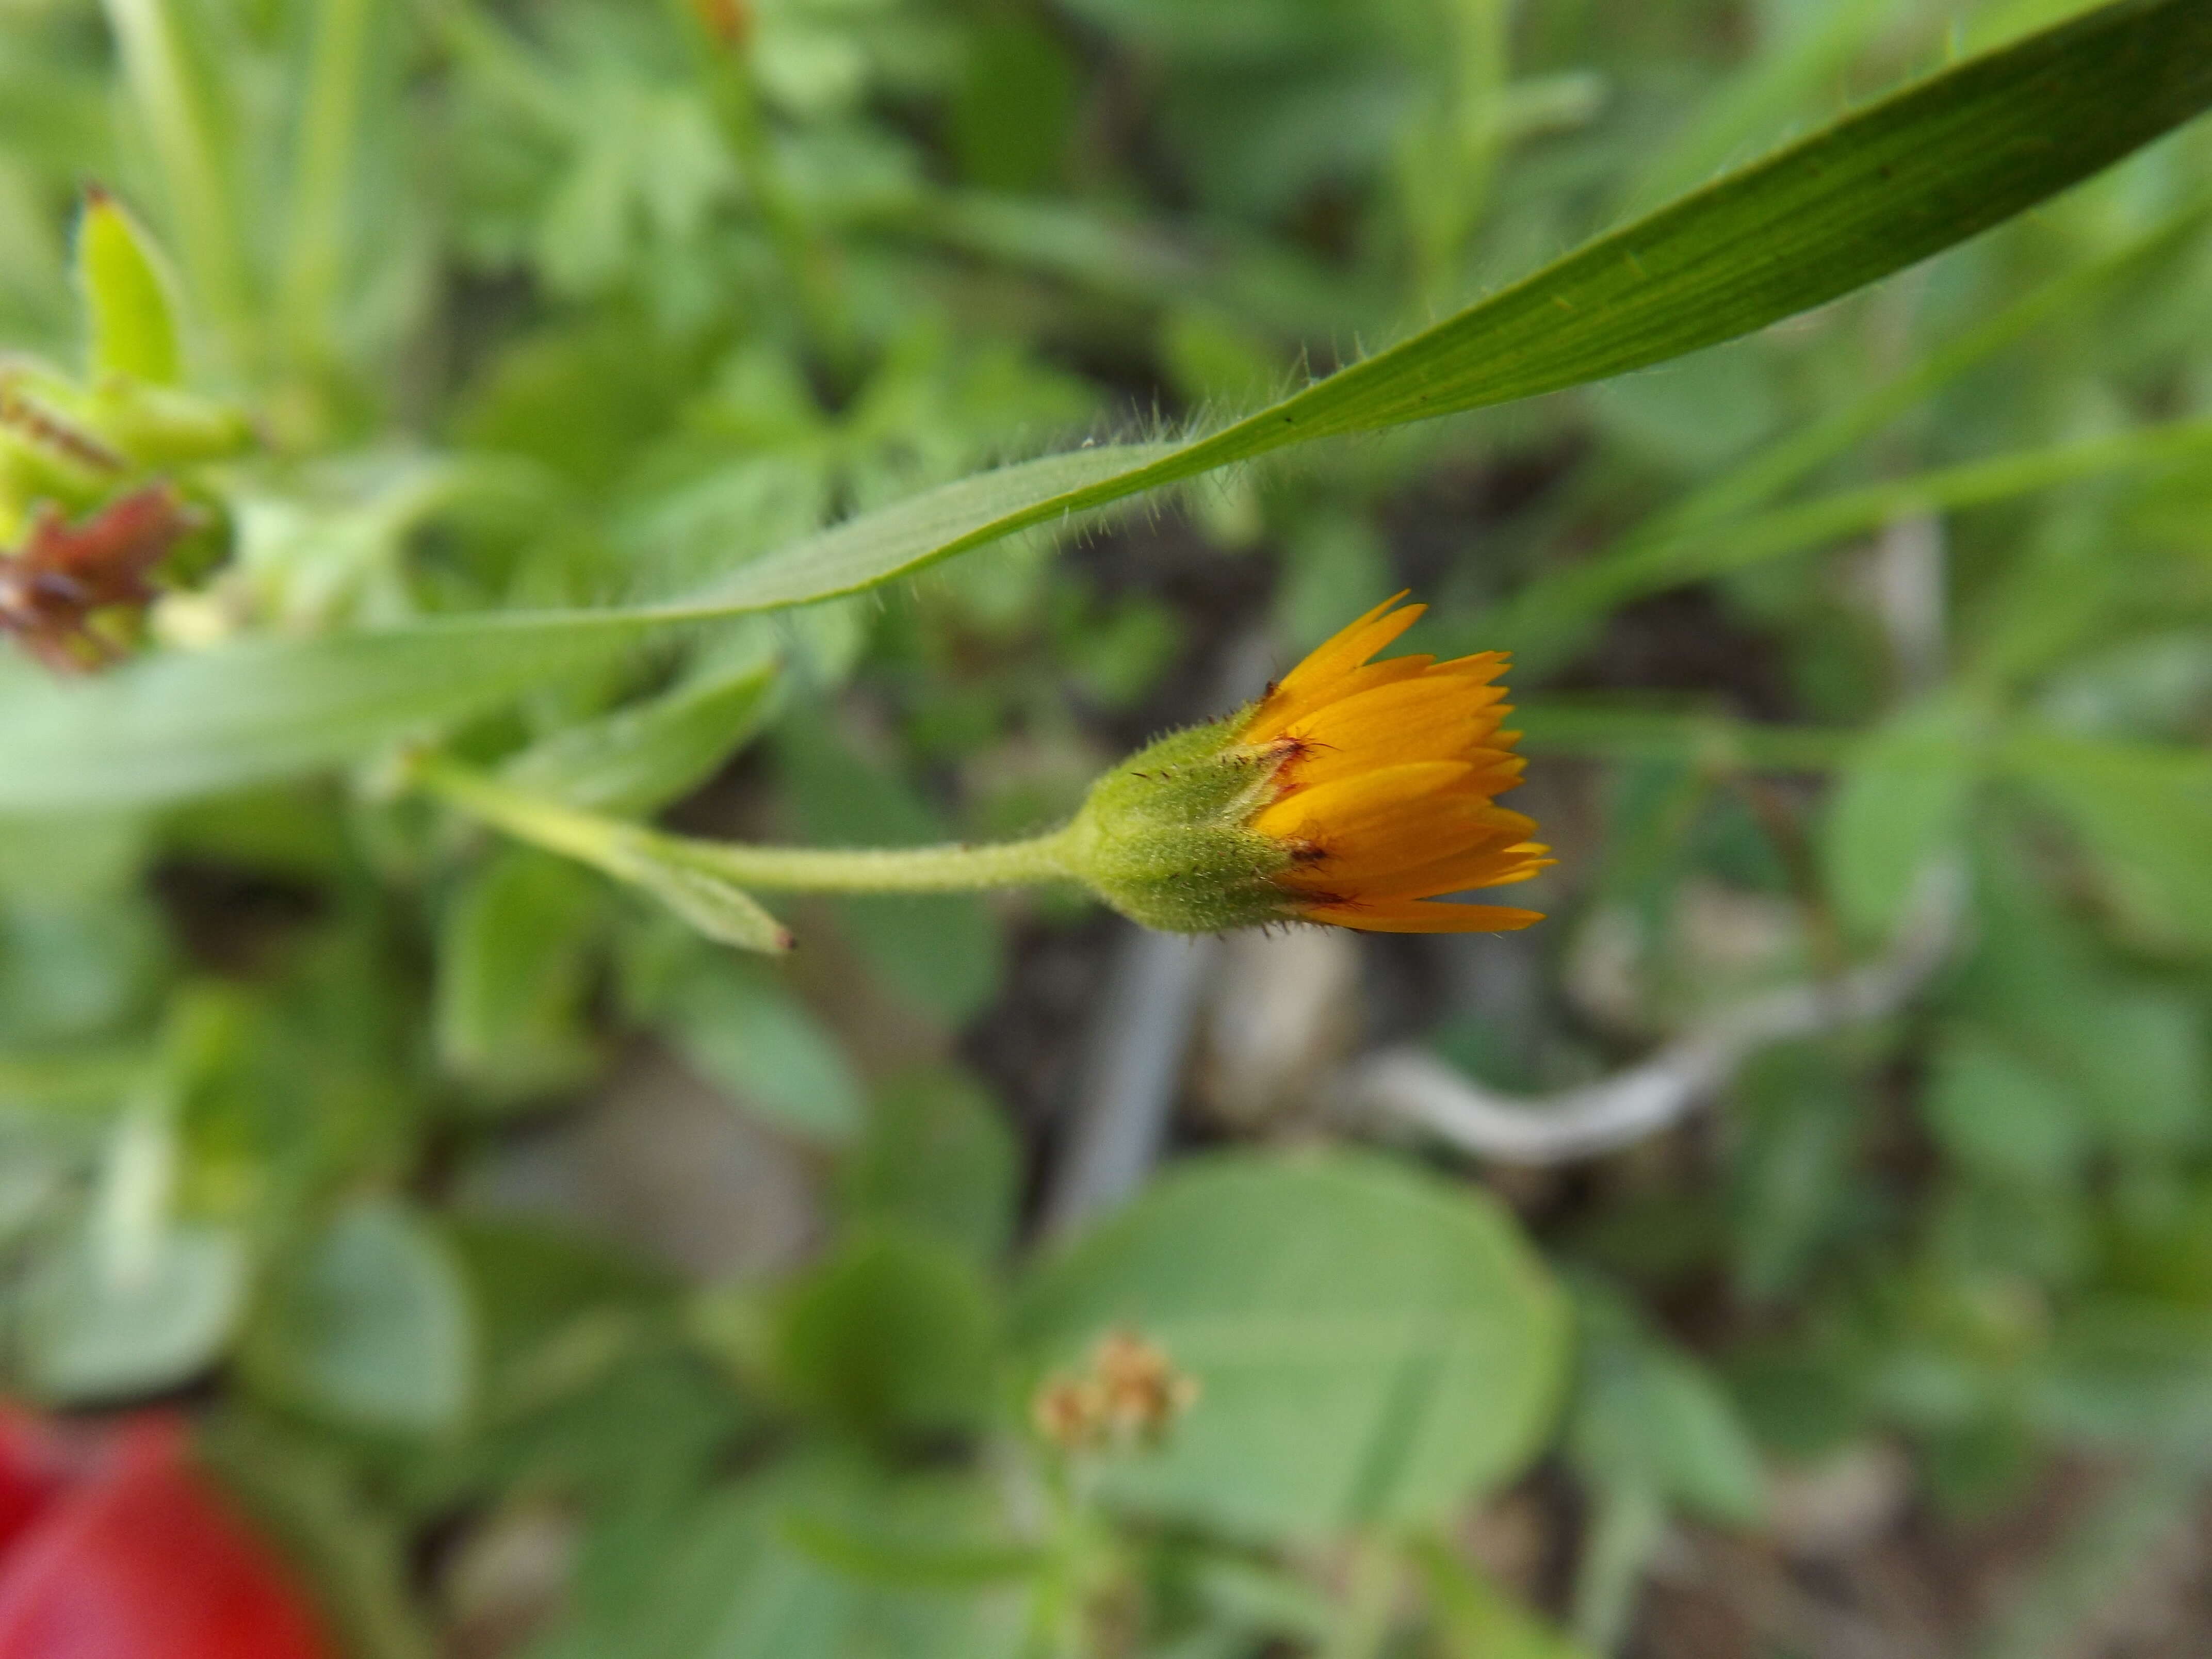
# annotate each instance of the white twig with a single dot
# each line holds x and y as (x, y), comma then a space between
(1412, 1086)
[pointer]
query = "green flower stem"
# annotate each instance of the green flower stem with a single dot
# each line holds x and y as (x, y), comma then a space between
(955, 867)
(585, 836)
(607, 843)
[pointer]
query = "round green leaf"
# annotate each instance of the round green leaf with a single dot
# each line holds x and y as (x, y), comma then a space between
(894, 1335)
(373, 1326)
(1372, 1343)
(95, 1331)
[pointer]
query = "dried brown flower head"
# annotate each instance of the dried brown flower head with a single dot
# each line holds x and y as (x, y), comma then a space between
(65, 574)
(1129, 1394)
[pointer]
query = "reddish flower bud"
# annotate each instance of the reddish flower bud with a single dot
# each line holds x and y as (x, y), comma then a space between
(64, 574)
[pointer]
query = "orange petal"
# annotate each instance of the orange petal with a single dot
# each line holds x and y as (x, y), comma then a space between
(1281, 710)
(1415, 916)
(1457, 873)
(1342, 653)
(1449, 825)
(1482, 665)
(1414, 720)
(1363, 808)
(1520, 824)
(1386, 869)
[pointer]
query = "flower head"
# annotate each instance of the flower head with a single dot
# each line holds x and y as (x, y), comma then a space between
(1130, 1395)
(1355, 792)
(55, 588)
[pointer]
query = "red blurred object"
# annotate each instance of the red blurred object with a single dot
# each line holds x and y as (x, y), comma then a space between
(38, 1461)
(112, 1546)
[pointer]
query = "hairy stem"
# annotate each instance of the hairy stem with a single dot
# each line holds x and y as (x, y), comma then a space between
(592, 838)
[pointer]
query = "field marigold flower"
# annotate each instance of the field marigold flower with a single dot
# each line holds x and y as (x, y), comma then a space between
(1355, 792)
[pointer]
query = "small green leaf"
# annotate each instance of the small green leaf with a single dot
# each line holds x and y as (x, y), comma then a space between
(514, 975)
(126, 295)
(2143, 1063)
(1900, 807)
(938, 1159)
(97, 1329)
(1798, 1111)
(641, 757)
(2000, 1116)
(944, 952)
(1478, 1621)
(371, 1327)
(301, 1493)
(895, 1335)
(819, 1559)
(2144, 814)
(2134, 1054)
(718, 909)
(1648, 1418)
(630, 853)
(535, 1286)
(745, 1031)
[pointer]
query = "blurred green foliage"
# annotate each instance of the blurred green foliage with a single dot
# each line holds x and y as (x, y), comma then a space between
(514, 358)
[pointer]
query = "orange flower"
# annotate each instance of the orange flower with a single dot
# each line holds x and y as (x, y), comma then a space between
(1386, 790)
(1355, 792)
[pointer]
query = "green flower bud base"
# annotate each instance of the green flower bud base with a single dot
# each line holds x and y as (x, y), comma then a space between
(1164, 838)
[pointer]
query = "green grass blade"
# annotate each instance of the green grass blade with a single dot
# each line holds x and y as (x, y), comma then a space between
(1773, 469)
(175, 109)
(1549, 616)
(329, 114)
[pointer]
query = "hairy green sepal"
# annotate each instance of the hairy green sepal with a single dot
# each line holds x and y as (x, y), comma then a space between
(1165, 839)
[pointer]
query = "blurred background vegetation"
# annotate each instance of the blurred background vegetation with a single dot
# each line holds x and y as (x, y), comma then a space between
(556, 1283)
